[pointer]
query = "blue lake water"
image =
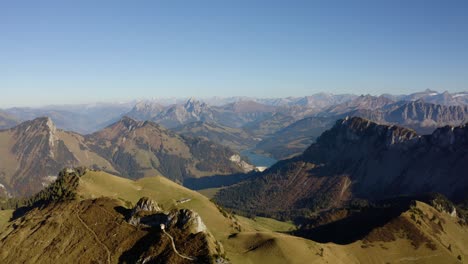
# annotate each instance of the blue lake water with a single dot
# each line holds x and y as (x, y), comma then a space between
(258, 160)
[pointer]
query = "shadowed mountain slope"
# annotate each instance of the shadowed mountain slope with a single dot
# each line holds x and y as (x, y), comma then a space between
(358, 159)
(234, 138)
(418, 115)
(6, 120)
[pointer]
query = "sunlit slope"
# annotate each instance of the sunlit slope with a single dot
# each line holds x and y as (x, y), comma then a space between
(257, 243)
(437, 238)
(167, 193)
(263, 224)
(160, 189)
(5, 216)
(419, 235)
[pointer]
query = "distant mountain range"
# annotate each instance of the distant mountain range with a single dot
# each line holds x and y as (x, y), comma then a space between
(33, 151)
(83, 119)
(171, 112)
(421, 116)
(276, 127)
(234, 114)
(6, 120)
(430, 96)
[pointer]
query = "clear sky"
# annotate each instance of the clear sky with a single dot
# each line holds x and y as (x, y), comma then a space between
(77, 51)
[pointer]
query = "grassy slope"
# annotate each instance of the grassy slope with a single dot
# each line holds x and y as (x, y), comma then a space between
(5, 216)
(402, 251)
(209, 192)
(166, 193)
(90, 231)
(258, 244)
(263, 224)
(162, 190)
(85, 156)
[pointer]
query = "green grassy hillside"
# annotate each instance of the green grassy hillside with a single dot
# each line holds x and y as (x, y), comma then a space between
(420, 235)
(222, 225)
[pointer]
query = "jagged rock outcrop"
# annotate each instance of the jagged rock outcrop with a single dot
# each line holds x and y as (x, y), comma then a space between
(357, 130)
(237, 159)
(145, 110)
(422, 116)
(143, 208)
(442, 98)
(419, 115)
(147, 212)
(186, 219)
(191, 111)
(179, 222)
(359, 103)
(145, 204)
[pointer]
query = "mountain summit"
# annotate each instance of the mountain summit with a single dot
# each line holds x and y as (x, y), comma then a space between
(35, 150)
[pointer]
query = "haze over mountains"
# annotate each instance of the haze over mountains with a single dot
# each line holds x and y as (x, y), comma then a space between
(83, 119)
(279, 128)
(257, 116)
(86, 118)
(375, 178)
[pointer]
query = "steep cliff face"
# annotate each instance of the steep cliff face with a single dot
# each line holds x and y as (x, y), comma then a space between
(362, 102)
(191, 111)
(145, 110)
(147, 213)
(389, 160)
(359, 135)
(32, 151)
(359, 158)
(419, 115)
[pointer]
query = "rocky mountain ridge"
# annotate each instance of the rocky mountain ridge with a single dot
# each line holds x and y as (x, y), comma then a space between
(420, 115)
(358, 158)
(35, 150)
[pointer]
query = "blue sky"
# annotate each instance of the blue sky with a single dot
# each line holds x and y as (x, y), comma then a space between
(86, 51)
